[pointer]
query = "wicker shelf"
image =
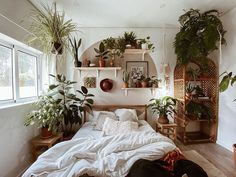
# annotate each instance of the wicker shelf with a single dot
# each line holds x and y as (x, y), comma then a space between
(137, 52)
(207, 127)
(98, 69)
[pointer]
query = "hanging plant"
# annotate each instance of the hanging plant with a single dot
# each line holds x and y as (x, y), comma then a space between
(199, 35)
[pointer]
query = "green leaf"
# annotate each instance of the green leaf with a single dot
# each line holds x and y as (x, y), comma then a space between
(53, 86)
(224, 84)
(61, 92)
(89, 95)
(233, 80)
(84, 89)
(90, 101)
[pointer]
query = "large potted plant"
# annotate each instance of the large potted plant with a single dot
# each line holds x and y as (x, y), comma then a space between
(164, 107)
(51, 29)
(199, 35)
(72, 105)
(101, 54)
(130, 40)
(75, 45)
(47, 116)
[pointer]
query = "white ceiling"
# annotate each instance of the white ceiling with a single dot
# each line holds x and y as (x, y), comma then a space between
(134, 13)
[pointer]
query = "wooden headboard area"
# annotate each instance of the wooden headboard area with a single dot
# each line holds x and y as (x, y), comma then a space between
(140, 109)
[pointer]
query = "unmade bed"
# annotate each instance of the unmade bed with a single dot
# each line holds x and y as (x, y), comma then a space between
(103, 152)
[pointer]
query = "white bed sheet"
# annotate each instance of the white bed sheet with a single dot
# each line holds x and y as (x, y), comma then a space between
(87, 130)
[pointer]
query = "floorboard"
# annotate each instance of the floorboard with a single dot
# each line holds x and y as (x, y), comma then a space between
(216, 154)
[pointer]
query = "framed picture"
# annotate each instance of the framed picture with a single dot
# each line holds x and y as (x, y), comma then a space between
(90, 82)
(137, 69)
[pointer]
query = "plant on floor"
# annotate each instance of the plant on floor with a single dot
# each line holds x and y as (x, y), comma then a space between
(199, 35)
(75, 45)
(102, 54)
(51, 29)
(47, 115)
(130, 39)
(145, 43)
(164, 107)
(197, 110)
(72, 105)
(125, 79)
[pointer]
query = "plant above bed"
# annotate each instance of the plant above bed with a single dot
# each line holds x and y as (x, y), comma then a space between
(199, 35)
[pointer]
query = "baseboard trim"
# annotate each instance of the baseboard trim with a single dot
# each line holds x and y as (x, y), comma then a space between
(225, 146)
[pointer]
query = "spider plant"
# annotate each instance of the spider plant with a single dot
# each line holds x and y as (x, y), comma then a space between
(50, 28)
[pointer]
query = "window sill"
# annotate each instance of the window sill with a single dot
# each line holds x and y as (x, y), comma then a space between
(10, 105)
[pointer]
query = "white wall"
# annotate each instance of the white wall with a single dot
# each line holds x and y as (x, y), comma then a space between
(15, 152)
(227, 108)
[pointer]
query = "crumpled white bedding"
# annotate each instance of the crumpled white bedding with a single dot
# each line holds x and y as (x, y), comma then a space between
(109, 156)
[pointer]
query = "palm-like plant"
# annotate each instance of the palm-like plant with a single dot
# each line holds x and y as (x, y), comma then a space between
(75, 48)
(164, 107)
(51, 29)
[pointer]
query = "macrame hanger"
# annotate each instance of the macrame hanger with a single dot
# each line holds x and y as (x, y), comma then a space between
(220, 46)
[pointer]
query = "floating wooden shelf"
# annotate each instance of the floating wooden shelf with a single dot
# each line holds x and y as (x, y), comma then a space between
(152, 89)
(98, 69)
(137, 51)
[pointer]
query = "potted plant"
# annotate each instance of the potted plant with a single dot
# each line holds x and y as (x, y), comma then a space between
(164, 107)
(146, 44)
(144, 81)
(125, 79)
(51, 29)
(193, 73)
(199, 35)
(72, 105)
(90, 82)
(189, 91)
(47, 116)
(101, 54)
(154, 81)
(130, 40)
(121, 45)
(75, 48)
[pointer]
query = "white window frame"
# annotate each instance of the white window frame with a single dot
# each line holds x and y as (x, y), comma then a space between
(15, 73)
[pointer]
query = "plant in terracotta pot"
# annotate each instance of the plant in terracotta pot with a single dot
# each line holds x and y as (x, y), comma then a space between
(164, 107)
(125, 79)
(130, 40)
(47, 116)
(144, 81)
(102, 54)
(199, 35)
(75, 48)
(154, 82)
(50, 28)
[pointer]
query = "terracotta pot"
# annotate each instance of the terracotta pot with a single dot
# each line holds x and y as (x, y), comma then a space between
(144, 84)
(112, 63)
(154, 85)
(101, 63)
(138, 84)
(57, 48)
(234, 147)
(163, 120)
(45, 133)
(125, 85)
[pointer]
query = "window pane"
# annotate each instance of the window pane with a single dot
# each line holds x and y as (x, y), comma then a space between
(27, 75)
(6, 91)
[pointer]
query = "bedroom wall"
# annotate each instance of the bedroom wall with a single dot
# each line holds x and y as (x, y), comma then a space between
(15, 152)
(90, 38)
(227, 108)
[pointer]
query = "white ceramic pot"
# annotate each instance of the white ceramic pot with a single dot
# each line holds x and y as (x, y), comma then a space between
(144, 46)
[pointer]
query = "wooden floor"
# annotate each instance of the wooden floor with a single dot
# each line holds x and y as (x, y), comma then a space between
(216, 154)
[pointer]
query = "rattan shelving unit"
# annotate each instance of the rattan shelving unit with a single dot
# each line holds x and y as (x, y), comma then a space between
(206, 128)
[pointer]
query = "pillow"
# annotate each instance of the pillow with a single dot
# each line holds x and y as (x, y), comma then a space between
(114, 127)
(92, 117)
(127, 115)
(102, 117)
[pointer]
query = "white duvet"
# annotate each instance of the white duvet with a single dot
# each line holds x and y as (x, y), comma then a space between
(110, 156)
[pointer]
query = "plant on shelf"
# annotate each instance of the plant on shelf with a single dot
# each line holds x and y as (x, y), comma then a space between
(121, 45)
(195, 110)
(199, 35)
(71, 105)
(198, 92)
(146, 44)
(125, 79)
(189, 91)
(47, 116)
(130, 40)
(164, 107)
(144, 80)
(154, 81)
(193, 73)
(101, 54)
(90, 82)
(75, 48)
(50, 28)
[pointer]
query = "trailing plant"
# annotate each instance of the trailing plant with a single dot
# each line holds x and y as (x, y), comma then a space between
(48, 114)
(101, 52)
(199, 35)
(125, 77)
(72, 106)
(130, 38)
(163, 106)
(75, 48)
(197, 110)
(51, 29)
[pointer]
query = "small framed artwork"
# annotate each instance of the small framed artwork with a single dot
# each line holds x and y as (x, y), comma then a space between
(90, 82)
(137, 69)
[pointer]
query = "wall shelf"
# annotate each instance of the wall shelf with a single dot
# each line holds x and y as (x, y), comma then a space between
(137, 51)
(98, 69)
(152, 89)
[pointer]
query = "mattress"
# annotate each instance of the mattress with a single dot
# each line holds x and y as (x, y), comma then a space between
(87, 130)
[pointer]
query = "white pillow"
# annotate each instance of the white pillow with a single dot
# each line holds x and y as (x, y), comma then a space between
(126, 115)
(93, 117)
(114, 127)
(102, 117)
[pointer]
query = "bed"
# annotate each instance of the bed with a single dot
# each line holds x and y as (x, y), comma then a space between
(92, 153)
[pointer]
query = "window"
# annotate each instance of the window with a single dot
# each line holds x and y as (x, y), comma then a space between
(19, 70)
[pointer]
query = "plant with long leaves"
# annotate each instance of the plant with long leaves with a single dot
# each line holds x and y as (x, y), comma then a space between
(50, 28)
(75, 50)
(101, 52)
(227, 80)
(72, 105)
(164, 106)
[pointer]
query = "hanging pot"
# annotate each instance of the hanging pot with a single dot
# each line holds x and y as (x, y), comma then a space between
(163, 119)
(45, 133)
(102, 63)
(57, 48)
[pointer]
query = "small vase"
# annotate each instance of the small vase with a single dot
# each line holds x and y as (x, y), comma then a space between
(45, 133)
(101, 63)
(163, 120)
(144, 46)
